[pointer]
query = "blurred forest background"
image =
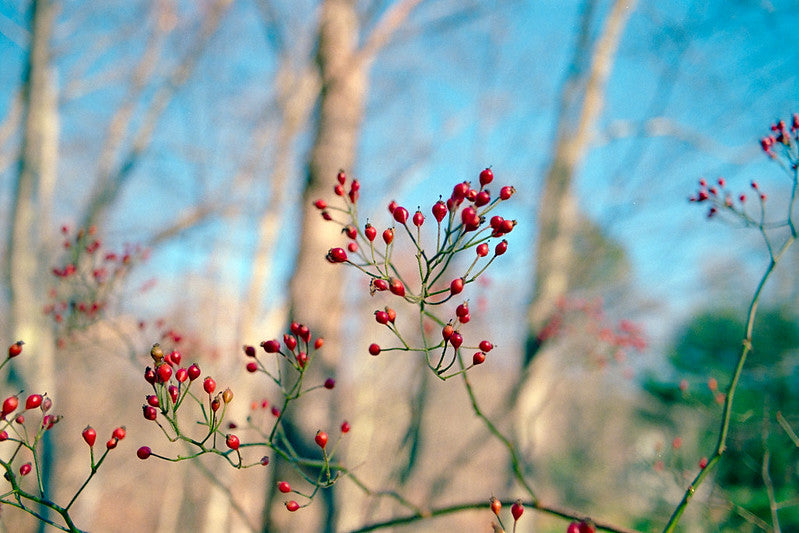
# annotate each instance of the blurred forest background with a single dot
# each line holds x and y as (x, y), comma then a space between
(194, 136)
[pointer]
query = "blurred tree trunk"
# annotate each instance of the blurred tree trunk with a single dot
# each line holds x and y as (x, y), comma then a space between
(316, 288)
(559, 220)
(26, 268)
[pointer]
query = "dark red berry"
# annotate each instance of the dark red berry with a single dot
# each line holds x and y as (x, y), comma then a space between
(501, 248)
(336, 255)
(149, 375)
(251, 367)
(517, 509)
(181, 375)
(341, 177)
(456, 340)
(456, 286)
(292, 506)
(350, 232)
(374, 349)
(112, 443)
(460, 190)
(152, 399)
(439, 210)
(164, 372)
(25, 469)
(330, 383)
(400, 214)
(232, 441)
(462, 309)
(249, 351)
(506, 192)
(149, 412)
(482, 198)
(345, 427)
(587, 527)
(173, 393)
(486, 177)
(388, 236)
(272, 346)
(478, 358)
(381, 317)
(486, 346)
(379, 285)
(143, 452)
(396, 287)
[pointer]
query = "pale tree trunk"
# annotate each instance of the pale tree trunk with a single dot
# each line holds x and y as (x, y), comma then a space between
(559, 219)
(27, 263)
(581, 104)
(316, 287)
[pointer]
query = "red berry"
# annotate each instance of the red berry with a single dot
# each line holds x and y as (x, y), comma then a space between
(149, 375)
(143, 452)
(703, 462)
(517, 509)
(25, 469)
(302, 358)
(10, 404)
(249, 351)
(150, 412)
(175, 357)
(272, 346)
(20, 419)
(374, 349)
(119, 433)
(456, 286)
(152, 399)
(396, 287)
(506, 226)
(439, 210)
(330, 383)
(209, 385)
(15, 349)
(352, 247)
(284, 487)
(456, 340)
(321, 439)
(587, 527)
(318, 343)
(338, 190)
(506, 192)
(336, 255)
(486, 346)
(400, 215)
(460, 190)
(181, 375)
(112, 443)
(292, 506)
(486, 177)
(232, 441)
(345, 427)
(33, 401)
(173, 393)
(478, 358)
(388, 236)
(252, 367)
(164, 372)
(320, 204)
(381, 317)
(501, 248)
(341, 177)
(378, 285)
(482, 249)
(392, 205)
(495, 504)
(574, 527)
(462, 309)
(89, 435)
(392, 315)
(482, 198)
(215, 404)
(370, 232)
(3, 435)
(265, 460)
(418, 219)
(468, 216)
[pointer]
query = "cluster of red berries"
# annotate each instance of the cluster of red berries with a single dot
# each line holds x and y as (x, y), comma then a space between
(780, 135)
(86, 278)
(296, 348)
(516, 509)
(583, 526)
(90, 436)
(462, 224)
(721, 200)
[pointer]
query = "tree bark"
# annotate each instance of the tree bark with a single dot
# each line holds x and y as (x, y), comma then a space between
(26, 273)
